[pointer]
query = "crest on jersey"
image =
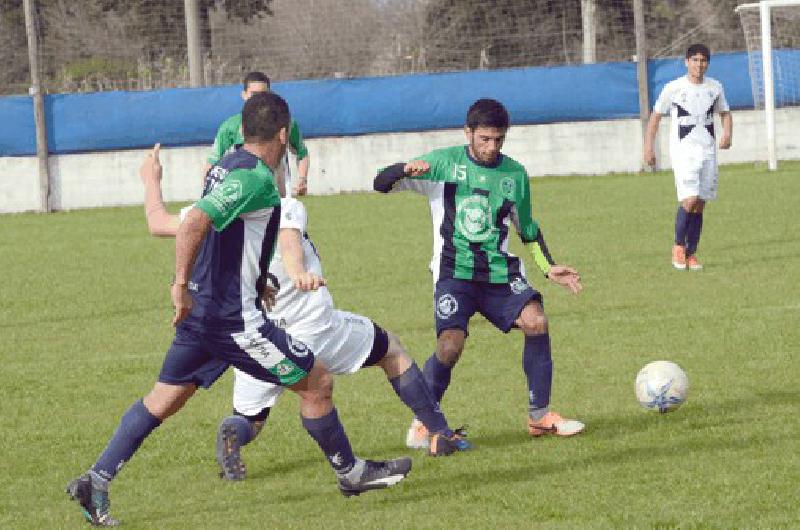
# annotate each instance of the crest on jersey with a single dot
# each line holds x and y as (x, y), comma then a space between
(298, 348)
(508, 187)
(284, 369)
(446, 306)
(473, 218)
(518, 285)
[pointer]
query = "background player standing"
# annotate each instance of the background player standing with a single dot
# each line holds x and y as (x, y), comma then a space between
(229, 135)
(475, 194)
(691, 100)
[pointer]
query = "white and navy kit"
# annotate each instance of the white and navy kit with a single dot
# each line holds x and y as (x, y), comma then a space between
(343, 342)
(692, 142)
(226, 325)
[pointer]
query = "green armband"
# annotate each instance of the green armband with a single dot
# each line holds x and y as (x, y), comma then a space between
(540, 258)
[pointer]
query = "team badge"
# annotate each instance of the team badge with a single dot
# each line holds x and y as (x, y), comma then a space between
(446, 306)
(473, 217)
(284, 369)
(518, 285)
(296, 347)
(508, 187)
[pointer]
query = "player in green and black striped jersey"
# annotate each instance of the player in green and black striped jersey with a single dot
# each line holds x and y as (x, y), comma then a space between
(476, 193)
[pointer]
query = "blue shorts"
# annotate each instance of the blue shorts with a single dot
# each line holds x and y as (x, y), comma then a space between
(199, 355)
(455, 301)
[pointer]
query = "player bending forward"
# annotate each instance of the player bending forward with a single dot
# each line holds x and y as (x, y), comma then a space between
(343, 342)
(475, 194)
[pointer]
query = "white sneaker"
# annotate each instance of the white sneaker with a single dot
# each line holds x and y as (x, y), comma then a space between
(418, 436)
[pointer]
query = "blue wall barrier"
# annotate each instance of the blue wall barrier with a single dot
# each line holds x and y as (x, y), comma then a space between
(342, 107)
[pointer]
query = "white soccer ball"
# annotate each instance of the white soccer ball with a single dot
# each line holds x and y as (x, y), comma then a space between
(661, 386)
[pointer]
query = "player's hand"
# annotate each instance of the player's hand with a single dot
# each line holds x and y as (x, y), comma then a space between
(301, 188)
(415, 168)
(181, 301)
(150, 170)
(268, 295)
(308, 281)
(566, 277)
(650, 157)
(725, 142)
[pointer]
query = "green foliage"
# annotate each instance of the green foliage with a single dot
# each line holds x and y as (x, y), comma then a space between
(84, 314)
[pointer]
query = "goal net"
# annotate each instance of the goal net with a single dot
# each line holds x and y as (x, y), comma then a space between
(772, 34)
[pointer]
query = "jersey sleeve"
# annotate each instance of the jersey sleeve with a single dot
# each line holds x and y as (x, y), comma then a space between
(293, 215)
(664, 101)
(427, 182)
(521, 216)
(296, 141)
(721, 104)
(219, 146)
(241, 192)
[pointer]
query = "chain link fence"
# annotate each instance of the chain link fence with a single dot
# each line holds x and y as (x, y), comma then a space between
(97, 45)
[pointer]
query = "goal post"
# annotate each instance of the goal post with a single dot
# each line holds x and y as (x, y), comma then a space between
(762, 72)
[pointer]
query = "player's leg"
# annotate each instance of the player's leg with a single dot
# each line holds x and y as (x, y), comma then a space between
(409, 384)
(252, 402)
(708, 191)
(537, 363)
(185, 367)
(687, 187)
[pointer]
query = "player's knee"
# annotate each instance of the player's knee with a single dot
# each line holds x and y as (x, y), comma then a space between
(320, 388)
(165, 400)
(449, 346)
(396, 361)
(535, 324)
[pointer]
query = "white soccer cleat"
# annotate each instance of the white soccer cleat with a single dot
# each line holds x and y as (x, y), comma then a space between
(553, 423)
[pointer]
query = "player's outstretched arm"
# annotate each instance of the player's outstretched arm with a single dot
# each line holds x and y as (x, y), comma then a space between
(291, 246)
(388, 177)
(159, 222)
(560, 274)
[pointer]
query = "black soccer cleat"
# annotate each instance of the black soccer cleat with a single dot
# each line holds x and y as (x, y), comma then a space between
(445, 444)
(229, 457)
(94, 502)
(376, 475)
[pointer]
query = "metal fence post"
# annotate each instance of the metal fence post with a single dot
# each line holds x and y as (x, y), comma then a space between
(38, 105)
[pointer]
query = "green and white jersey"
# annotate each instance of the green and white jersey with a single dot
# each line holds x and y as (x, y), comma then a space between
(472, 207)
(244, 207)
(230, 135)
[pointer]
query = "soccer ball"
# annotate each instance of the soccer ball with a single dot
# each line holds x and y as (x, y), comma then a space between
(661, 386)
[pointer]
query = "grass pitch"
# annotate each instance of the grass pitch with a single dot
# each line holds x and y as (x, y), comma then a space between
(84, 314)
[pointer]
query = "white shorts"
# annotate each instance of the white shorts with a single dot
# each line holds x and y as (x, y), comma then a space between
(696, 178)
(342, 351)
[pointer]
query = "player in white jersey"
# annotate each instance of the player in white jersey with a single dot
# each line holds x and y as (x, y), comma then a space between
(301, 304)
(691, 100)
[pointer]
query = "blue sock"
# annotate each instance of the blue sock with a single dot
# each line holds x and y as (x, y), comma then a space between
(437, 376)
(693, 233)
(410, 386)
(136, 424)
(681, 225)
(244, 429)
(329, 434)
(538, 366)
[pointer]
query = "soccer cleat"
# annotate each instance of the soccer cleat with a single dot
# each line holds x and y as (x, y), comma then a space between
(418, 436)
(552, 423)
(444, 445)
(94, 502)
(693, 263)
(228, 456)
(679, 257)
(376, 475)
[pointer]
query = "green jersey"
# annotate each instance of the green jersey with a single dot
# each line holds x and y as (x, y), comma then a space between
(230, 135)
(472, 207)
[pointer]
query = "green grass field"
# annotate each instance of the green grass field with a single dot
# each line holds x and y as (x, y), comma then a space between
(84, 314)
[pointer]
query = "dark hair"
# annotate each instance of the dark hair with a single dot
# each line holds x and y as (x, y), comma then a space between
(702, 49)
(256, 77)
(487, 113)
(263, 116)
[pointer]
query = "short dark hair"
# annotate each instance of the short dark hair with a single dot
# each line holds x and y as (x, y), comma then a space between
(256, 77)
(702, 49)
(487, 113)
(263, 116)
